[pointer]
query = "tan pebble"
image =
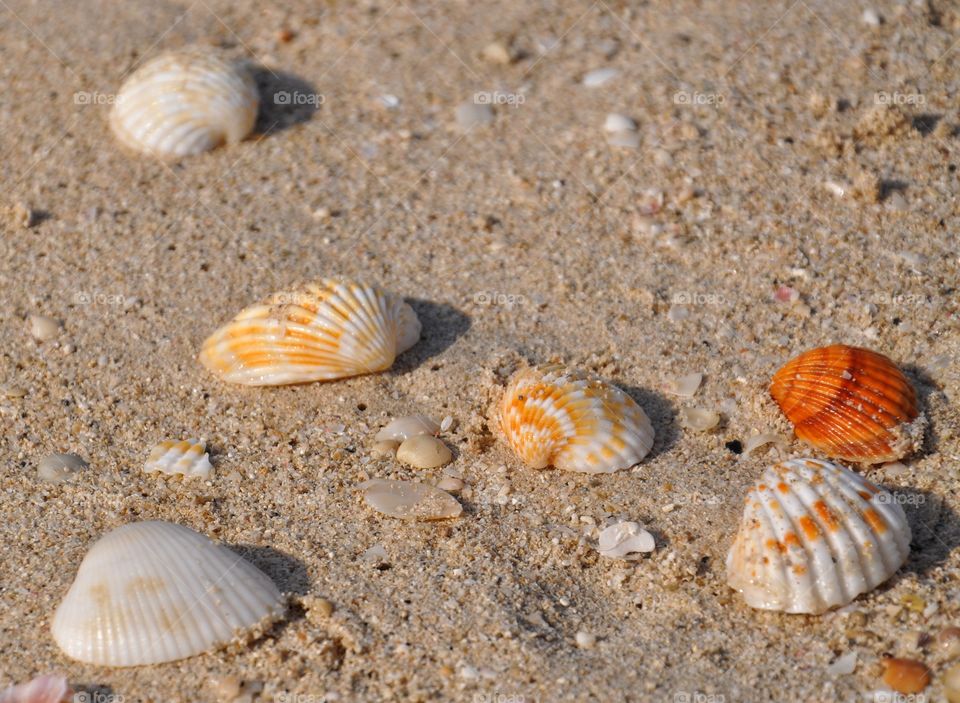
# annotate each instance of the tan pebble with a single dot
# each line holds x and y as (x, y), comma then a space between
(951, 683)
(424, 452)
(450, 485)
(497, 52)
(43, 328)
(447, 671)
(586, 640)
(226, 687)
(13, 392)
(948, 640)
(905, 675)
(21, 216)
(323, 606)
(385, 448)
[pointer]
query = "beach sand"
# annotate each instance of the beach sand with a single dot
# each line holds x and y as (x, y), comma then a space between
(783, 144)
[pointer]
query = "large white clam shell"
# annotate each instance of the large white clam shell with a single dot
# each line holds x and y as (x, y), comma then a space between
(573, 420)
(184, 103)
(814, 536)
(151, 592)
(321, 331)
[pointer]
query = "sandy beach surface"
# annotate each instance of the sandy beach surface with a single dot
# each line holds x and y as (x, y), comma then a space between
(791, 183)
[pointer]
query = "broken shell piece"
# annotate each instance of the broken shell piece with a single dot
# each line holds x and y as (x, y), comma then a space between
(450, 484)
(619, 123)
(319, 331)
(759, 440)
(572, 420)
(403, 428)
(623, 538)
(699, 419)
(48, 688)
(410, 500)
(153, 592)
(385, 448)
(187, 458)
(424, 452)
(685, 386)
(814, 536)
(44, 328)
(59, 467)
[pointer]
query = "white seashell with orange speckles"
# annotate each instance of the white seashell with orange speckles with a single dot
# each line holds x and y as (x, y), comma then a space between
(188, 458)
(320, 331)
(814, 536)
(553, 416)
(184, 103)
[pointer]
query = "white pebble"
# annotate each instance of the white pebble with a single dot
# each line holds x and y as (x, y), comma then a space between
(44, 328)
(424, 452)
(58, 467)
(596, 78)
(684, 386)
(699, 419)
(845, 664)
(472, 114)
(586, 640)
(446, 423)
(623, 538)
(871, 17)
(619, 123)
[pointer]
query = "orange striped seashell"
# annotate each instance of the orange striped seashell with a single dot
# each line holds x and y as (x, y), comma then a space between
(850, 403)
(321, 331)
(573, 420)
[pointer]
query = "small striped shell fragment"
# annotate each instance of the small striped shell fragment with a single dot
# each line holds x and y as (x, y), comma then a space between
(318, 332)
(814, 536)
(403, 428)
(410, 500)
(152, 592)
(184, 103)
(850, 403)
(187, 458)
(48, 688)
(554, 416)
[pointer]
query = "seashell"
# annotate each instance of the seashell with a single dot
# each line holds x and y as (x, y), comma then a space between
(410, 500)
(57, 468)
(188, 458)
(403, 428)
(685, 386)
(754, 442)
(814, 536)
(850, 403)
(184, 103)
(572, 420)
(49, 688)
(623, 538)
(424, 452)
(320, 331)
(699, 419)
(152, 592)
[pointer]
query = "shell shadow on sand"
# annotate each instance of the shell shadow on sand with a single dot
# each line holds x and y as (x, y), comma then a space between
(287, 572)
(933, 523)
(285, 99)
(442, 325)
(926, 387)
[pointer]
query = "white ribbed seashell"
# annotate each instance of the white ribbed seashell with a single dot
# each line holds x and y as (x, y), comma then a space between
(188, 458)
(814, 536)
(152, 592)
(403, 428)
(573, 420)
(49, 688)
(184, 103)
(320, 331)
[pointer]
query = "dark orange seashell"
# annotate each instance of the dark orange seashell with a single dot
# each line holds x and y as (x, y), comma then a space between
(850, 403)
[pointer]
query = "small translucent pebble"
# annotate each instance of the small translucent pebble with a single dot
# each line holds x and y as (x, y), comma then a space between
(586, 640)
(58, 467)
(758, 440)
(844, 664)
(471, 114)
(385, 448)
(450, 485)
(699, 419)
(905, 675)
(424, 452)
(951, 683)
(948, 639)
(619, 123)
(623, 538)
(625, 140)
(685, 386)
(600, 76)
(410, 500)
(226, 688)
(403, 428)
(446, 423)
(44, 328)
